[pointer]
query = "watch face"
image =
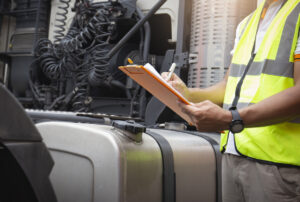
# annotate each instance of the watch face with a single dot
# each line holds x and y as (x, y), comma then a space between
(237, 127)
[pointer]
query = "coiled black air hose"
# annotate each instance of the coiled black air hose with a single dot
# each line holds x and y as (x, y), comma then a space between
(84, 38)
(95, 74)
(61, 17)
(49, 63)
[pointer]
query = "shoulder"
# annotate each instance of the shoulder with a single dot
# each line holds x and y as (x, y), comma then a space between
(239, 31)
(241, 27)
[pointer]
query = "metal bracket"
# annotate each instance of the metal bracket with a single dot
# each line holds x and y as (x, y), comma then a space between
(181, 59)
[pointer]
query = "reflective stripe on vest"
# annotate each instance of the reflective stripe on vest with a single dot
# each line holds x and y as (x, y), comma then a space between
(271, 72)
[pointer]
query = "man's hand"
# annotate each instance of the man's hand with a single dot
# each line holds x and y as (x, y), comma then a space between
(177, 83)
(207, 116)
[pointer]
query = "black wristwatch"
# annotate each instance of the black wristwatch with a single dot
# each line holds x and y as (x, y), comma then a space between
(236, 125)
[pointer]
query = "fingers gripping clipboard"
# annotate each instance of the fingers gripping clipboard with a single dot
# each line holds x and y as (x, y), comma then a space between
(147, 77)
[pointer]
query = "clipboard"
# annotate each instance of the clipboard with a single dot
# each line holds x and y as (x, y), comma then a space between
(147, 77)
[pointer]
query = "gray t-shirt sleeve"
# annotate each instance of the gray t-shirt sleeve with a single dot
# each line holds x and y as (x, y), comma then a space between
(297, 51)
(237, 39)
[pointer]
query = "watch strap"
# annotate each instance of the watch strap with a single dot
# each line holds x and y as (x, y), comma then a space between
(236, 115)
(237, 124)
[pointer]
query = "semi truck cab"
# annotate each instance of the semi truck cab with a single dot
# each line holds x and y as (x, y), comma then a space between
(73, 127)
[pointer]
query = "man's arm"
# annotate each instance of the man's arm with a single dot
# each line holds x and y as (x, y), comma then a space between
(214, 93)
(281, 107)
(277, 108)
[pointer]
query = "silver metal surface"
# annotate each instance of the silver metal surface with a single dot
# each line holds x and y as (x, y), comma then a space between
(98, 163)
(195, 166)
(175, 126)
(5, 75)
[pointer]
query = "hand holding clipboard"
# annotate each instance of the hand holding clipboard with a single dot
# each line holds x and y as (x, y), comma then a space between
(147, 77)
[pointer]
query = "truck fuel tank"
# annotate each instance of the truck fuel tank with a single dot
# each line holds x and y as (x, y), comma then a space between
(127, 162)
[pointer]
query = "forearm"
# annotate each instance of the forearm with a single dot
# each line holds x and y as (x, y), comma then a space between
(281, 107)
(214, 93)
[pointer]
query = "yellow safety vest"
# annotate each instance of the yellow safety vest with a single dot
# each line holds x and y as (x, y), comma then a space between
(271, 72)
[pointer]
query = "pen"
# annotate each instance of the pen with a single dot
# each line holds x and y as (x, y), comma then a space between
(171, 71)
(129, 61)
